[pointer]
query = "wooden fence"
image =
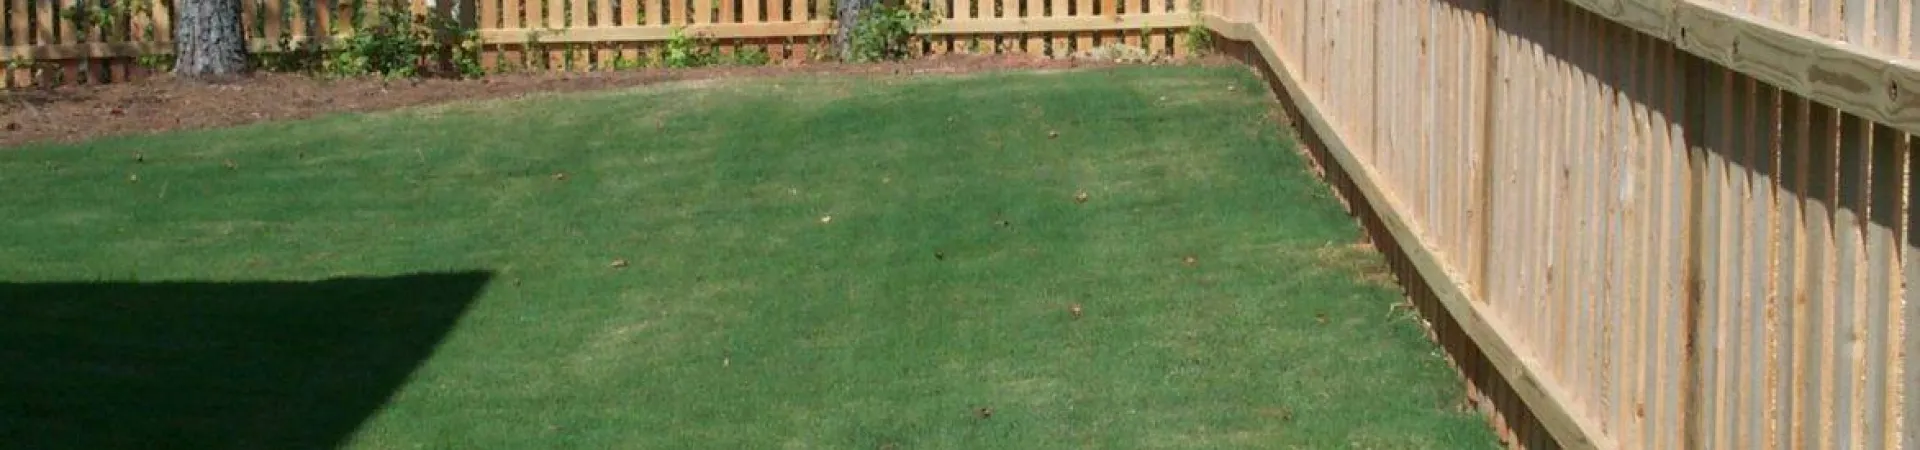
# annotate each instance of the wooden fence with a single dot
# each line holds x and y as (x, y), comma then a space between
(1634, 223)
(100, 41)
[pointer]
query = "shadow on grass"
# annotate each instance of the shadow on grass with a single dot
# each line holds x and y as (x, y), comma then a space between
(283, 365)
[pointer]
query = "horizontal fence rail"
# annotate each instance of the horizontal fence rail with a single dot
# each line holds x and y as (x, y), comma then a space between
(97, 41)
(1640, 223)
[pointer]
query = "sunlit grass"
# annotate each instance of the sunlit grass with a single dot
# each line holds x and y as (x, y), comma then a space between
(806, 263)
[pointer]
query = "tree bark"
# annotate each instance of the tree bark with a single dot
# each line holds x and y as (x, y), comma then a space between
(848, 13)
(208, 40)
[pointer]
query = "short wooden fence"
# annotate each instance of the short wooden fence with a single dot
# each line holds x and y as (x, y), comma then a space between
(103, 41)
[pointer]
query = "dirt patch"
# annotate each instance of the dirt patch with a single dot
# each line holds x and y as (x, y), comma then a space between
(75, 113)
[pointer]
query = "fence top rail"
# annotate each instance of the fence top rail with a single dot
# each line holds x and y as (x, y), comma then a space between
(1855, 78)
(816, 28)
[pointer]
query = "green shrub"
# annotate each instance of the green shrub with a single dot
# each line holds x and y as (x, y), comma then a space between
(684, 50)
(885, 32)
(388, 46)
(393, 43)
(1199, 38)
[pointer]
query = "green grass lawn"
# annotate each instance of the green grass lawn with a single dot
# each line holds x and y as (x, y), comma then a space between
(423, 279)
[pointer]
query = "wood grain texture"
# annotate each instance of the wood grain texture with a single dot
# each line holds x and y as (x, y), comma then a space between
(1546, 401)
(1783, 322)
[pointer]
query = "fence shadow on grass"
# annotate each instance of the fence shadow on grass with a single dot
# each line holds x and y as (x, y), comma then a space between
(204, 365)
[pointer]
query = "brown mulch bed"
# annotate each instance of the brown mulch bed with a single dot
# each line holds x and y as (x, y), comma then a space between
(71, 114)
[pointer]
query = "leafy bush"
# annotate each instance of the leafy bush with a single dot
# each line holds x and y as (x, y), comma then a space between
(455, 47)
(104, 16)
(884, 32)
(393, 43)
(388, 46)
(1199, 38)
(684, 50)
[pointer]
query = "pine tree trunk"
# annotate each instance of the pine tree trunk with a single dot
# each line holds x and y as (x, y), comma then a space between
(848, 12)
(208, 41)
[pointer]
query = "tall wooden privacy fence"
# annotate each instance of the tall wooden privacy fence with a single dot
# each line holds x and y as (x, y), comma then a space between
(99, 41)
(1644, 223)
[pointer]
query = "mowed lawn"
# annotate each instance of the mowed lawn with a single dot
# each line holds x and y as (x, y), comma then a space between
(857, 263)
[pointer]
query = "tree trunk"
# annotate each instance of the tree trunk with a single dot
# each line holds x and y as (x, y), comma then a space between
(208, 44)
(848, 12)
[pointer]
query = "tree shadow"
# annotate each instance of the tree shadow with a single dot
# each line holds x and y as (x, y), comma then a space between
(214, 365)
